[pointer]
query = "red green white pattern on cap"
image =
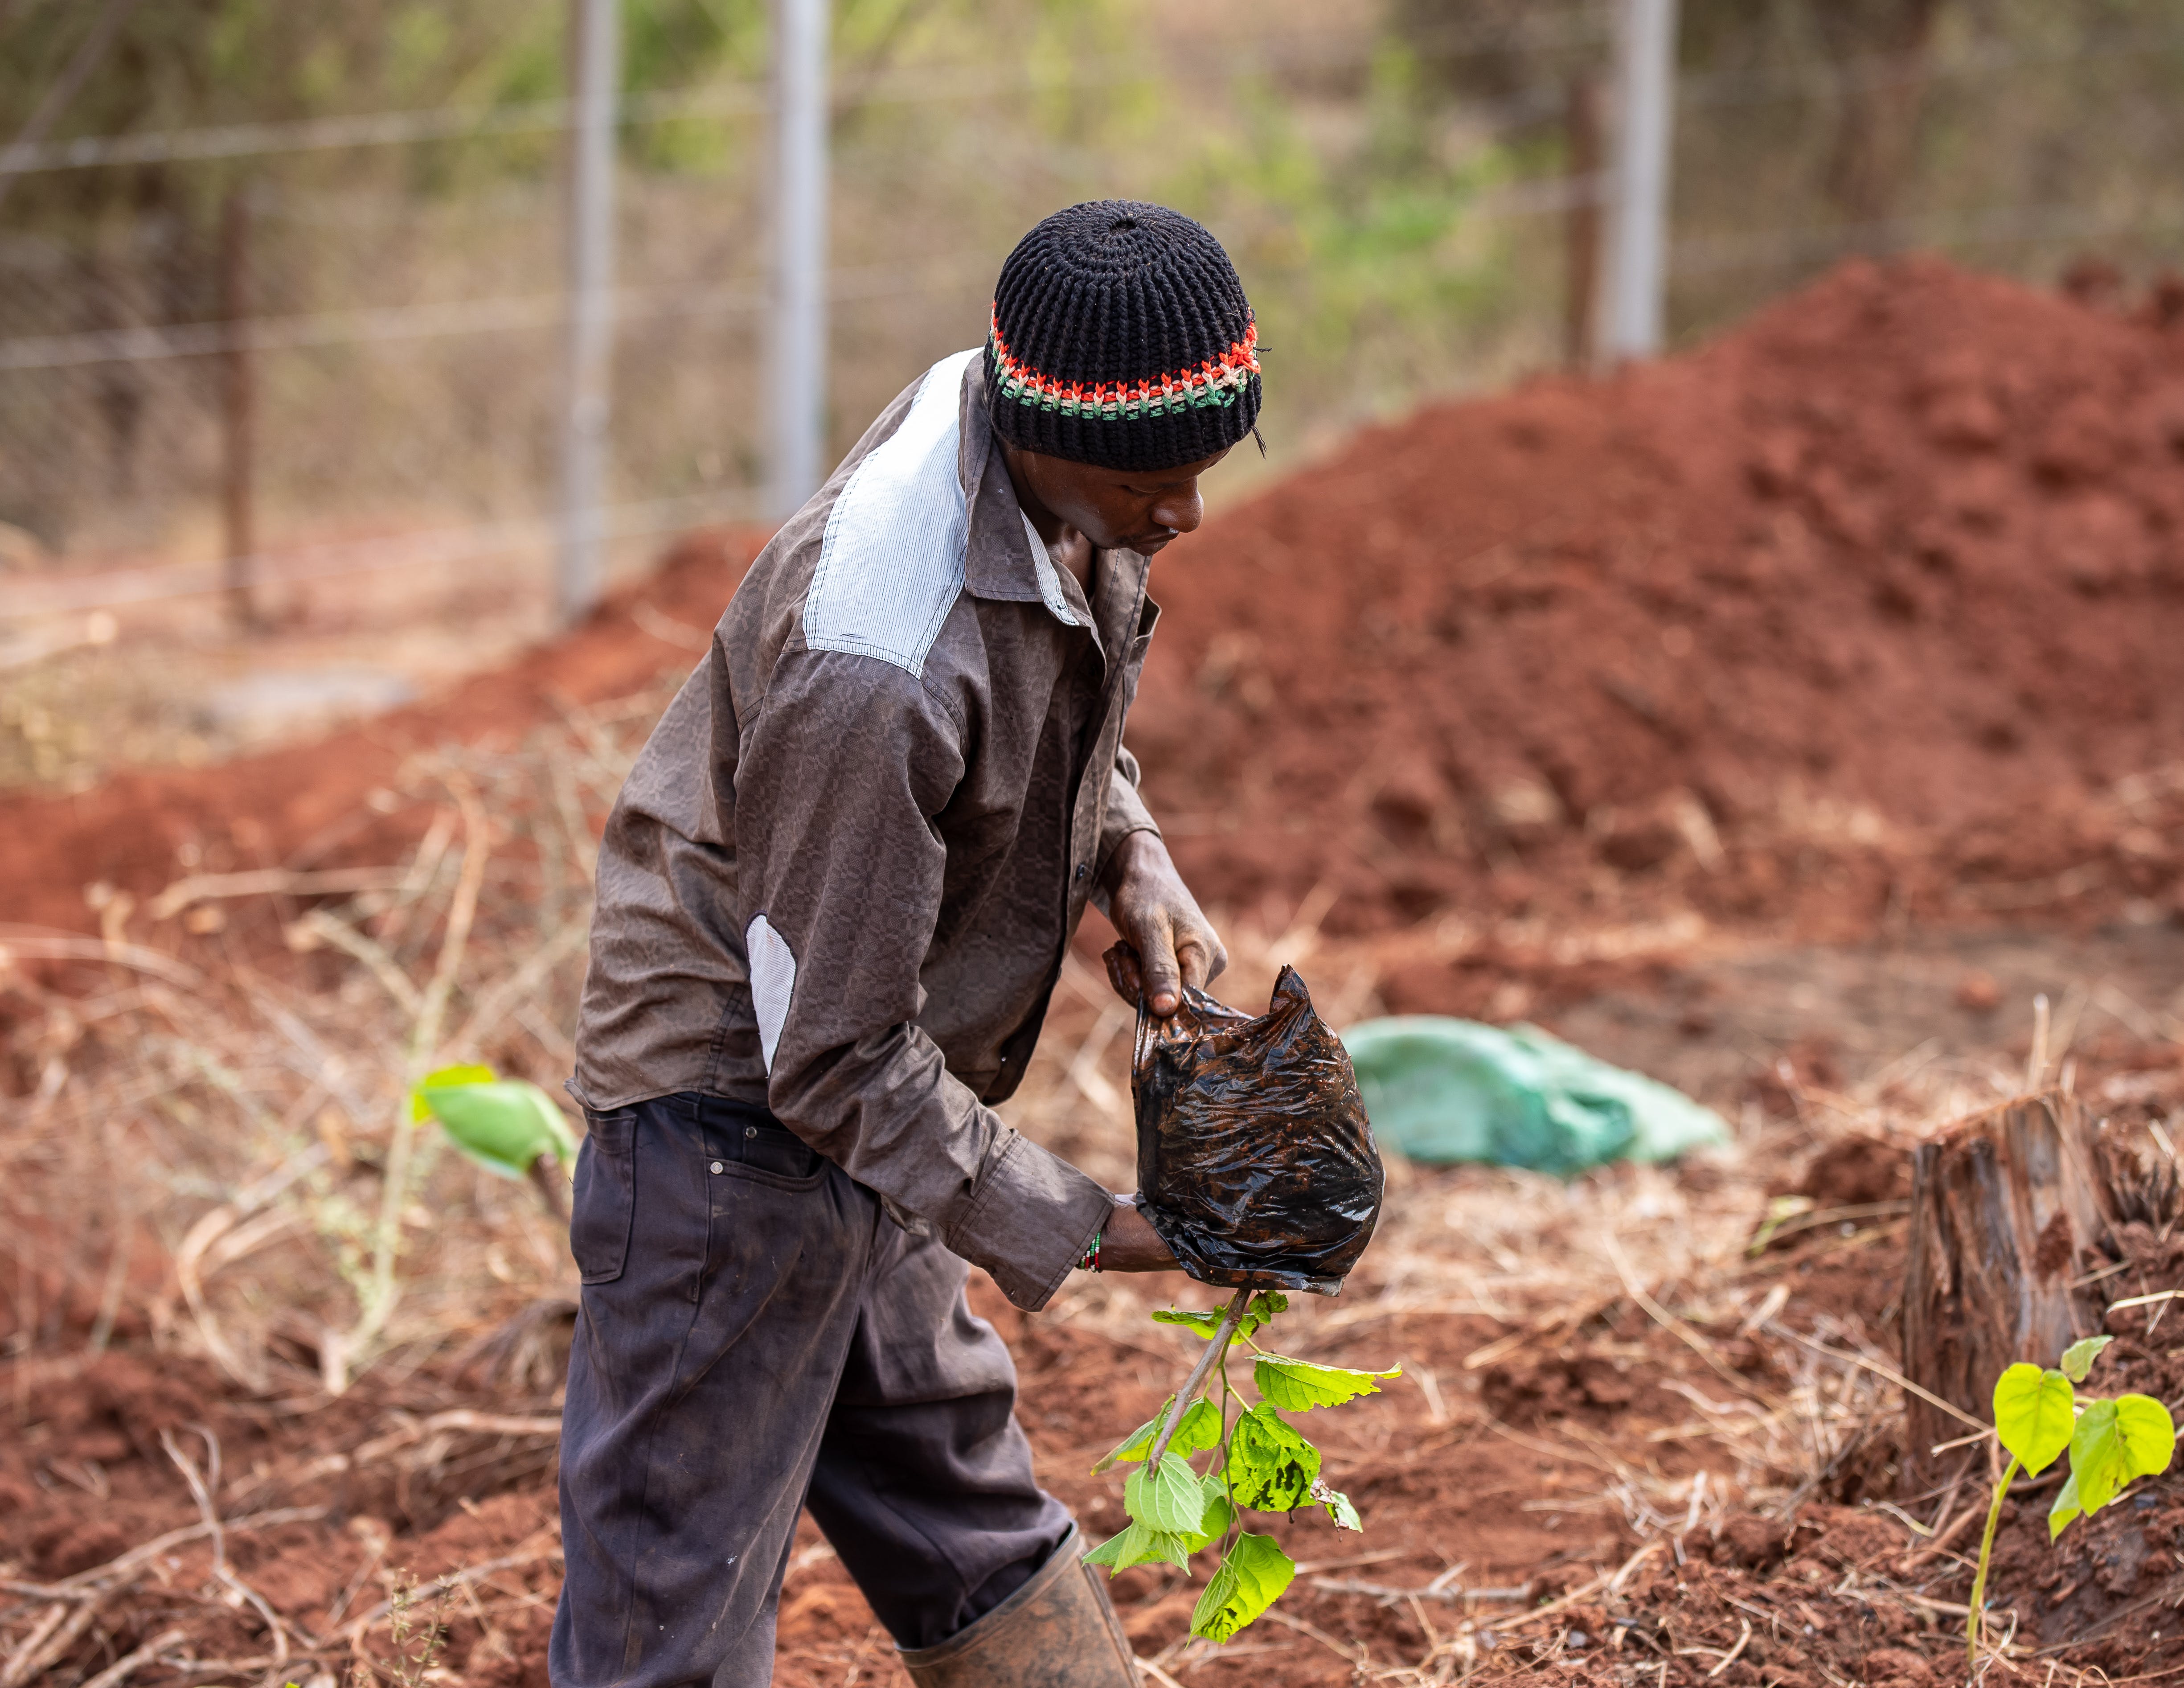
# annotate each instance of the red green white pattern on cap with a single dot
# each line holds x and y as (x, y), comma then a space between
(1215, 381)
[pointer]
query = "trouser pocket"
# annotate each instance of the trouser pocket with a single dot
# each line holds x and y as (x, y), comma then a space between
(759, 1144)
(697, 1395)
(605, 1197)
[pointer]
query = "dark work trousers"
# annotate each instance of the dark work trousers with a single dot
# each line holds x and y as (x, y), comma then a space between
(756, 1335)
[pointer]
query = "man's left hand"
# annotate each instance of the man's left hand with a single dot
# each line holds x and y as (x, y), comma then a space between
(1158, 918)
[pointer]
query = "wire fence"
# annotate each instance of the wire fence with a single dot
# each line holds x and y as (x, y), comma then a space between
(1586, 27)
(400, 341)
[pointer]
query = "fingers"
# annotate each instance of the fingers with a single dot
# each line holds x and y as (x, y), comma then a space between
(1162, 970)
(1201, 957)
(1122, 973)
(1167, 943)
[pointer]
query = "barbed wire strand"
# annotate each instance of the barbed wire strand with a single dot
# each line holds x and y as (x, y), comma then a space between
(297, 564)
(723, 99)
(510, 313)
(2001, 225)
(643, 519)
(958, 83)
(1690, 255)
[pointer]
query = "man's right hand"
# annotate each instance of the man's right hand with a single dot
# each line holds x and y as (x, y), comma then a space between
(1130, 1244)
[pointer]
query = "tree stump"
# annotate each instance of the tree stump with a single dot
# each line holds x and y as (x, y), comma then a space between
(2009, 1210)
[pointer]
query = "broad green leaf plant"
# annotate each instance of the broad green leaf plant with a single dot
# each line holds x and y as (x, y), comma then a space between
(504, 1124)
(508, 1125)
(1261, 1464)
(2039, 1413)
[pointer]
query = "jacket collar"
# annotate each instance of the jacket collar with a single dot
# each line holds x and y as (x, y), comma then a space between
(1003, 558)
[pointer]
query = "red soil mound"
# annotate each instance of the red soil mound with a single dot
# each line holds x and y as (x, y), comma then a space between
(1849, 606)
(306, 804)
(1856, 615)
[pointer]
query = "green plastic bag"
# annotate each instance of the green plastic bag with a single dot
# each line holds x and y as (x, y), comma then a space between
(1442, 1090)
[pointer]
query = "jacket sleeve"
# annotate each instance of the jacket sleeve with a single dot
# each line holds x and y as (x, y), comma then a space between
(838, 868)
(1126, 812)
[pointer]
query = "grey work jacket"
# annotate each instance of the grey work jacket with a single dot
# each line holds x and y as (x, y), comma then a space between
(841, 876)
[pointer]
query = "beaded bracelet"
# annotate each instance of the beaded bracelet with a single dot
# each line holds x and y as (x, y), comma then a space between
(1090, 1259)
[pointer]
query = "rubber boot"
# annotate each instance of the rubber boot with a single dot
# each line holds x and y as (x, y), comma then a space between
(1059, 1630)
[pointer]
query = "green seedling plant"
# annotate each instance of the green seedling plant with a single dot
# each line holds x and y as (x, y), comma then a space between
(2037, 1414)
(507, 1126)
(1260, 1464)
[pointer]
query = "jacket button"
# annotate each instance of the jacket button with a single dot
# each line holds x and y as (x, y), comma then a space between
(1082, 868)
(717, 1167)
(750, 1130)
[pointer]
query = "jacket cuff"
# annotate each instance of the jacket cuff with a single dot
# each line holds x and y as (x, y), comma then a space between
(1030, 1221)
(1126, 812)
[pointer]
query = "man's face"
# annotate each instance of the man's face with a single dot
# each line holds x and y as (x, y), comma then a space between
(1115, 509)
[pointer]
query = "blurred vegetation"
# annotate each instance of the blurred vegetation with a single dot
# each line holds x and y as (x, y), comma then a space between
(1366, 166)
(2016, 135)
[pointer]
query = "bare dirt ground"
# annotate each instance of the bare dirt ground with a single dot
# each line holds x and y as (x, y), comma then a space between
(1624, 1447)
(281, 1375)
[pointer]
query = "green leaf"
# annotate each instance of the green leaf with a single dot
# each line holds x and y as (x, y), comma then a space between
(1140, 1544)
(1271, 1468)
(2097, 1457)
(1207, 1325)
(446, 1078)
(1139, 1442)
(1250, 1578)
(2078, 1358)
(2149, 1431)
(2032, 1414)
(2066, 1507)
(1298, 1385)
(1168, 1499)
(1135, 1446)
(2116, 1441)
(1217, 1518)
(1338, 1506)
(1257, 1311)
(505, 1125)
(1199, 1430)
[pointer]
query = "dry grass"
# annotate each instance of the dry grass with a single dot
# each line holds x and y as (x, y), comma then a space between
(248, 1116)
(215, 1159)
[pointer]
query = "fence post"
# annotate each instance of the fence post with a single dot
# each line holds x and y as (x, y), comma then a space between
(1581, 299)
(1645, 93)
(238, 411)
(799, 352)
(596, 76)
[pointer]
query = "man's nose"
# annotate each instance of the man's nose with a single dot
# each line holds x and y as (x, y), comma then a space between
(1181, 511)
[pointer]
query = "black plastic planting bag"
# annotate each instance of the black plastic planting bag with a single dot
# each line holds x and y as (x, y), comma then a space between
(1255, 1163)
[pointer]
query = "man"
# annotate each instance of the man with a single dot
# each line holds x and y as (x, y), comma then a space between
(833, 899)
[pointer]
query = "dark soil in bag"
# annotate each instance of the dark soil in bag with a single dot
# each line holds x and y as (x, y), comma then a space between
(1256, 1162)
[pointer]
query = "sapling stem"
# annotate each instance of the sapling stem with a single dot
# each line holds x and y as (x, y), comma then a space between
(1189, 1393)
(1227, 1469)
(1986, 1552)
(546, 1175)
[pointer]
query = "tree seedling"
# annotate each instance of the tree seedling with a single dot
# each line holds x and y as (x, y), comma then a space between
(2037, 1414)
(506, 1125)
(1261, 1464)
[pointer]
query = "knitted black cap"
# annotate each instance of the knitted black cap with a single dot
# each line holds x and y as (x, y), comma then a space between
(1122, 336)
